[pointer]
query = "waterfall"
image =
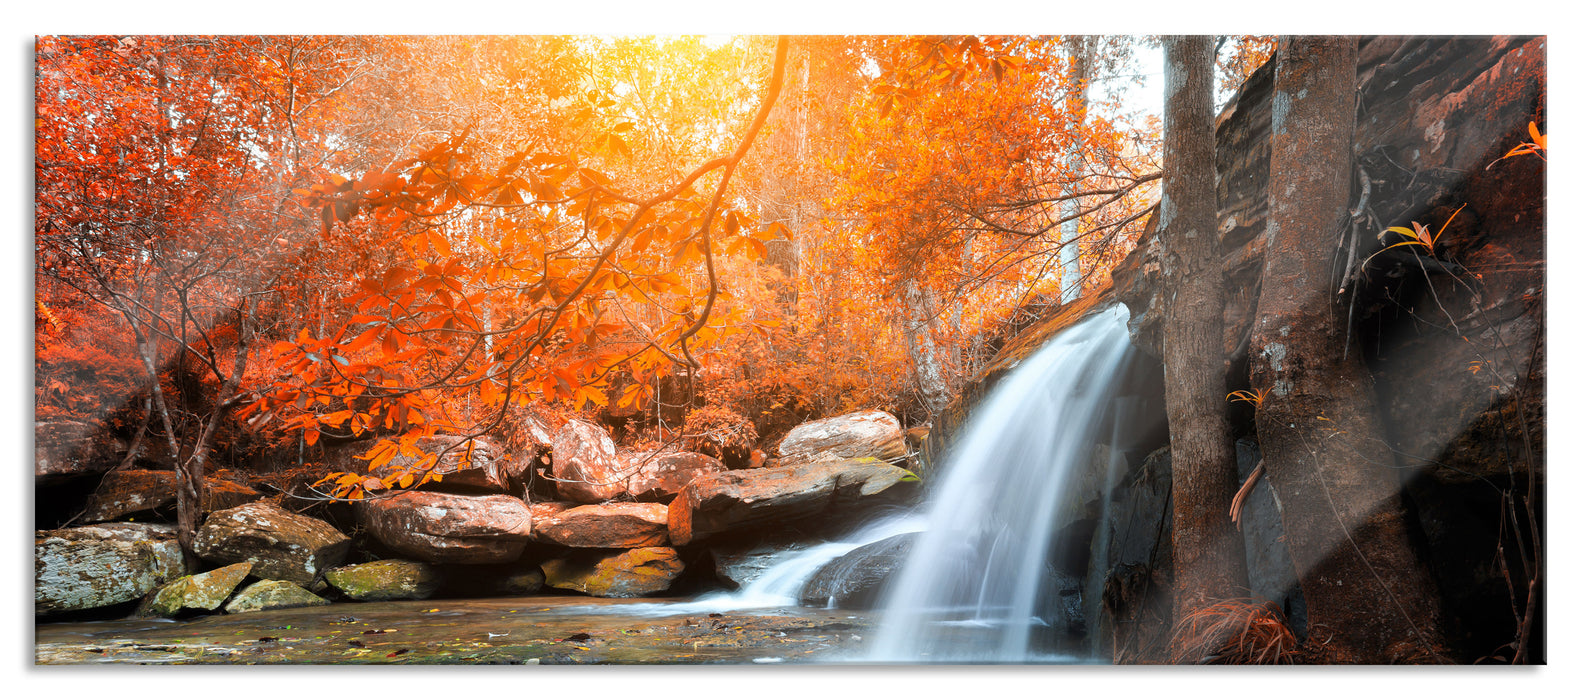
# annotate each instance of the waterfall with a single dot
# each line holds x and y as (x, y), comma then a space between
(970, 591)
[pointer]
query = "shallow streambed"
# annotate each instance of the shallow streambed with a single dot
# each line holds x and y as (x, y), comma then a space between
(528, 630)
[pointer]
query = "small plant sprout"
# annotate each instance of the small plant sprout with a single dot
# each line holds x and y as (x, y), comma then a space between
(1418, 234)
(1254, 397)
(1538, 146)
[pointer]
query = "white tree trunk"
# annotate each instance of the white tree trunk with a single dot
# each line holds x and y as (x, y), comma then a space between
(1081, 49)
(920, 344)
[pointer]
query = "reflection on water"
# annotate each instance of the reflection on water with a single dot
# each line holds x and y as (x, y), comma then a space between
(538, 629)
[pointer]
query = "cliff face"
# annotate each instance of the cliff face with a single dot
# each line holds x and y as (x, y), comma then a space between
(1455, 340)
(1447, 337)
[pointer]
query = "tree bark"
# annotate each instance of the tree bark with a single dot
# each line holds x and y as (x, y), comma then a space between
(1370, 599)
(1081, 49)
(931, 382)
(1210, 563)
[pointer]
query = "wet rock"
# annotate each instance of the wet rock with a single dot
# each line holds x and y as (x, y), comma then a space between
(205, 591)
(272, 595)
(140, 491)
(1061, 608)
(584, 465)
(851, 436)
(388, 579)
(1270, 573)
(281, 544)
(658, 478)
(607, 526)
(738, 564)
(488, 580)
(856, 579)
(448, 528)
(752, 498)
(89, 567)
(1127, 588)
(631, 573)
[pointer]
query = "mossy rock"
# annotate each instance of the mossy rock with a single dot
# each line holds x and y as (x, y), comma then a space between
(204, 591)
(272, 595)
(389, 579)
(629, 573)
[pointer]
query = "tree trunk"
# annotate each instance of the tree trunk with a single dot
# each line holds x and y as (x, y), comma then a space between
(1210, 563)
(1370, 599)
(1081, 50)
(920, 344)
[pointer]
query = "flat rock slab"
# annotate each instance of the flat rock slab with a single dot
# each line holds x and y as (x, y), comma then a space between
(737, 500)
(132, 491)
(66, 449)
(449, 528)
(281, 544)
(658, 478)
(607, 526)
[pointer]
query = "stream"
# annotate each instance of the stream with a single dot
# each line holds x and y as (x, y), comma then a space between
(524, 630)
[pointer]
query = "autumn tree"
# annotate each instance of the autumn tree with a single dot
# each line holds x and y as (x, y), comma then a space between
(966, 160)
(1208, 555)
(559, 247)
(1369, 596)
(156, 161)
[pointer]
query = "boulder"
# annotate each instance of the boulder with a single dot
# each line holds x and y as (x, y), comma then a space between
(465, 466)
(448, 528)
(94, 566)
(585, 467)
(722, 434)
(64, 450)
(517, 578)
(623, 574)
(388, 579)
(272, 595)
(203, 591)
(137, 491)
(529, 441)
(658, 478)
(281, 544)
(1127, 590)
(541, 511)
(720, 503)
(607, 526)
(851, 436)
(737, 564)
(856, 579)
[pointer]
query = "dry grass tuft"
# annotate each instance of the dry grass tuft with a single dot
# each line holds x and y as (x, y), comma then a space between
(1236, 631)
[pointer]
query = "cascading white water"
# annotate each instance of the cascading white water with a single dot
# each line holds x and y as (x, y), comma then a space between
(780, 584)
(969, 589)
